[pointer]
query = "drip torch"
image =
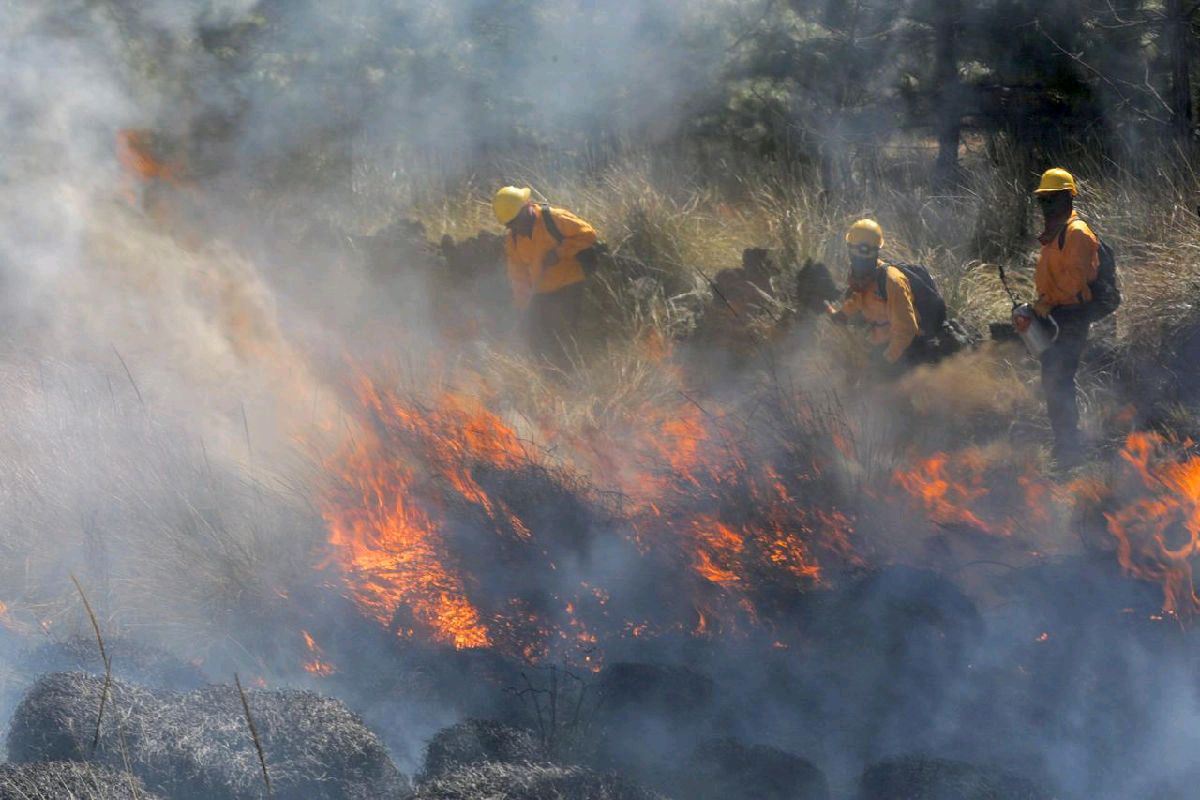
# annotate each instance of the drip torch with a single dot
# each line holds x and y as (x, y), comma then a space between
(1037, 333)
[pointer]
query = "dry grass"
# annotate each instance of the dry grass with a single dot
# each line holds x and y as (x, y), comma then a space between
(175, 543)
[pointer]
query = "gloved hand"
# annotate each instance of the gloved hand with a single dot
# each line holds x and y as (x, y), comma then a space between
(550, 259)
(1042, 308)
(835, 314)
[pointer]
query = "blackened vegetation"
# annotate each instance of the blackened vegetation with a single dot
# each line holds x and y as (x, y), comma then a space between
(814, 287)
(721, 769)
(637, 703)
(530, 782)
(68, 780)
(900, 661)
(477, 741)
(194, 745)
(939, 779)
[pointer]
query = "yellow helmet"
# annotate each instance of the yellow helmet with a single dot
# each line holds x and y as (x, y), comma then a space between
(1057, 180)
(509, 201)
(865, 235)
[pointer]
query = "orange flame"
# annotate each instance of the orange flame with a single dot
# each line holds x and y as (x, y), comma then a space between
(948, 501)
(1158, 534)
(380, 530)
(687, 491)
(317, 666)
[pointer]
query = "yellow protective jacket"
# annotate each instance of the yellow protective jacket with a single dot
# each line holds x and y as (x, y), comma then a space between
(527, 255)
(1063, 273)
(893, 320)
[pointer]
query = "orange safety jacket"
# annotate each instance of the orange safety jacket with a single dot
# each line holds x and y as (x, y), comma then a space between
(893, 320)
(1065, 270)
(527, 255)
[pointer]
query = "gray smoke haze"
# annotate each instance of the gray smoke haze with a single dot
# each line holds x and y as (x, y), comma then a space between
(151, 390)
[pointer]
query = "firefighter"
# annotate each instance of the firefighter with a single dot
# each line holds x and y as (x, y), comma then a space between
(1069, 262)
(549, 252)
(885, 298)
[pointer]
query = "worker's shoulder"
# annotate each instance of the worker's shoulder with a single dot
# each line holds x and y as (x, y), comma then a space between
(1078, 226)
(896, 274)
(560, 214)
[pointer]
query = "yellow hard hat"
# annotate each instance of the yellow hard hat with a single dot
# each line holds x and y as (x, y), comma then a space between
(509, 201)
(1057, 180)
(865, 233)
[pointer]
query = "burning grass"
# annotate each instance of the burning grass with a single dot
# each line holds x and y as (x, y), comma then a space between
(451, 528)
(655, 490)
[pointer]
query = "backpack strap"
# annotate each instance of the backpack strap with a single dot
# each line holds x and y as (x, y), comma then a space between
(881, 280)
(1066, 228)
(551, 225)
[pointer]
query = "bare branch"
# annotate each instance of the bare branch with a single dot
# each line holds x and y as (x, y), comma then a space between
(1126, 102)
(262, 758)
(103, 658)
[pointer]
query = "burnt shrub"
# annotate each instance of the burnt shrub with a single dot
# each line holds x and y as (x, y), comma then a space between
(57, 780)
(726, 769)
(196, 745)
(477, 741)
(920, 778)
(530, 782)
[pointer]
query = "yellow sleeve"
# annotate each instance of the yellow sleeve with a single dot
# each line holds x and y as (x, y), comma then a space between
(1081, 258)
(519, 276)
(902, 315)
(577, 234)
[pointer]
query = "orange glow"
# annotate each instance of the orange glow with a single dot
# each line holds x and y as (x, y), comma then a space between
(317, 666)
(686, 493)
(948, 501)
(1158, 532)
(381, 530)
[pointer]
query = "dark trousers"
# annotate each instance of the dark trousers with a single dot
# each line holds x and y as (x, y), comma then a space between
(1059, 365)
(553, 319)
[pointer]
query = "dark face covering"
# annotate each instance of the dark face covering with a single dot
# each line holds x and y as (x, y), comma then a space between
(862, 272)
(1056, 209)
(522, 224)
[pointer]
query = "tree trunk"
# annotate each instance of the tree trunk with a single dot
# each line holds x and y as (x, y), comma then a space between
(1178, 39)
(948, 94)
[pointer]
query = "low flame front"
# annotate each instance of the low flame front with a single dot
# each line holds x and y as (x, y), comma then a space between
(449, 528)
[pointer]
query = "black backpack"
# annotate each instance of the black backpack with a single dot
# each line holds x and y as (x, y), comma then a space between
(1106, 289)
(590, 259)
(931, 308)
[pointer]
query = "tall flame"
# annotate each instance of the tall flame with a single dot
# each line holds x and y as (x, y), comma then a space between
(381, 530)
